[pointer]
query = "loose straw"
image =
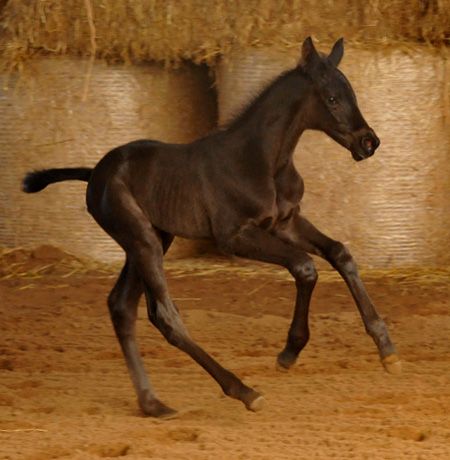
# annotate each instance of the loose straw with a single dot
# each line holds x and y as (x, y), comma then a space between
(24, 430)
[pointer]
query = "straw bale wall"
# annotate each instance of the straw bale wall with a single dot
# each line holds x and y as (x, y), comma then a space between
(45, 123)
(202, 30)
(393, 209)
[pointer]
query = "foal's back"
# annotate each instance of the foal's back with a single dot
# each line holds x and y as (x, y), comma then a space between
(168, 182)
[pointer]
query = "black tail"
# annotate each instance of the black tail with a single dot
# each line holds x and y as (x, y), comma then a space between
(37, 180)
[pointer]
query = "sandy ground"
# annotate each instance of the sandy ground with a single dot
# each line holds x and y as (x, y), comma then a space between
(65, 392)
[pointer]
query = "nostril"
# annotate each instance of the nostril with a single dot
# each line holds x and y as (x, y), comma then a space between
(367, 143)
(370, 144)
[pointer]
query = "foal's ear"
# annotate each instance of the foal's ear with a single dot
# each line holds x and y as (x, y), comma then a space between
(337, 52)
(310, 57)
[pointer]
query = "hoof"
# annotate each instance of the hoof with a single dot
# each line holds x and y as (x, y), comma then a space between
(281, 368)
(257, 404)
(285, 361)
(392, 364)
(157, 409)
(168, 414)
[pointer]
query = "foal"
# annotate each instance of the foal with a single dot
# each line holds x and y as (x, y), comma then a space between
(239, 188)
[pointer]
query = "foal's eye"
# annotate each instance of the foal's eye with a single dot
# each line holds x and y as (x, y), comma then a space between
(332, 100)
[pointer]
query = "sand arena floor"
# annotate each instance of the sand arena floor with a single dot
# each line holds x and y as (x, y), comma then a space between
(65, 392)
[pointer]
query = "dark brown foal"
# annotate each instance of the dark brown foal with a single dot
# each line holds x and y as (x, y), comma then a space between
(239, 188)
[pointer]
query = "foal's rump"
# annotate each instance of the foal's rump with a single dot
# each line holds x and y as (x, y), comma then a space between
(164, 180)
(168, 183)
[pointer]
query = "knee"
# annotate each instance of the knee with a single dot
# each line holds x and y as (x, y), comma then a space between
(304, 271)
(341, 259)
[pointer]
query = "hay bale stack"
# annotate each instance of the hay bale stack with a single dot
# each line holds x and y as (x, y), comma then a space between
(45, 123)
(391, 210)
(201, 30)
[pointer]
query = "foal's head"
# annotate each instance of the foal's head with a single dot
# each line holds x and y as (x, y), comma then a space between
(334, 109)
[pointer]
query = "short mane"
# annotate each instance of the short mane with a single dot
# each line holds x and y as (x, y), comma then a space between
(257, 98)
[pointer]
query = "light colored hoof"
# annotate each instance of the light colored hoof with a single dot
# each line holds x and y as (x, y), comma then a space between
(170, 415)
(392, 364)
(281, 368)
(257, 404)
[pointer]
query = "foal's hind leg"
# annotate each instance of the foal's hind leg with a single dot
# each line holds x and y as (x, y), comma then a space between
(300, 232)
(164, 315)
(124, 220)
(123, 302)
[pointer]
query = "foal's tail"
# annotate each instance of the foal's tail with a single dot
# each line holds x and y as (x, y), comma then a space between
(37, 180)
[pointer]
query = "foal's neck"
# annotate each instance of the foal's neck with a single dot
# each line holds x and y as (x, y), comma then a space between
(276, 119)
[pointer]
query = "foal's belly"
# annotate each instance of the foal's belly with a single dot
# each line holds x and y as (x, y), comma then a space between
(179, 210)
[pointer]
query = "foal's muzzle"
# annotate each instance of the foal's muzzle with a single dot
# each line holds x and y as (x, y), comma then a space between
(367, 145)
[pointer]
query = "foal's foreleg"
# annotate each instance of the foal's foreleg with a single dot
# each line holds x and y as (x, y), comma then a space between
(298, 335)
(258, 244)
(302, 233)
(341, 259)
(123, 302)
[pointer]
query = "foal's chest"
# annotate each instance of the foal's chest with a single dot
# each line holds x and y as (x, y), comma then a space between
(289, 188)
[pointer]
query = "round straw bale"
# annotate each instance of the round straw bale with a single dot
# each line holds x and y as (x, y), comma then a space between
(45, 123)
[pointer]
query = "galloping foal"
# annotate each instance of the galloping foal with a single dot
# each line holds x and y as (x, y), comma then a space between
(239, 188)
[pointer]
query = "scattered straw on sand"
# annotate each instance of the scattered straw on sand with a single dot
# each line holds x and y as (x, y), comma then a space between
(46, 260)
